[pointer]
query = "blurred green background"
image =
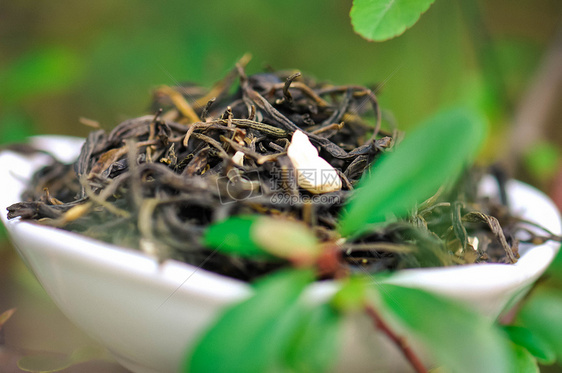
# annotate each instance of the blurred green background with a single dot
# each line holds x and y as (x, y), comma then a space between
(62, 60)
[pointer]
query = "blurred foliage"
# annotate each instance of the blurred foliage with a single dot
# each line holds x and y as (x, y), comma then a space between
(541, 315)
(478, 335)
(62, 60)
(542, 161)
(38, 72)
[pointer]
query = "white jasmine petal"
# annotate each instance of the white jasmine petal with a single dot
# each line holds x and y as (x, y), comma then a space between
(314, 173)
(238, 158)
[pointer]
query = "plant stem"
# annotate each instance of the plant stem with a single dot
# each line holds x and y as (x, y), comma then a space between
(400, 342)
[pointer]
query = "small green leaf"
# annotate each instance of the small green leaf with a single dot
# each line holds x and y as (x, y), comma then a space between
(431, 155)
(44, 363)
(458, 338)
(541, 315)
(233, 236)
(255, 236)
(254, 336)
(316, 347)
(352, 295)
(523, 360)
(285, 239)
(527, 339)
(384, 19)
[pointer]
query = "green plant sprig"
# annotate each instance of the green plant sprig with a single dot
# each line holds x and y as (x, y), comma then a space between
(275, 330)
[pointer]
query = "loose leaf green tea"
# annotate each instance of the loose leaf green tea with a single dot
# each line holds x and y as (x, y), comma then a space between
(159, 181)
(168, 183)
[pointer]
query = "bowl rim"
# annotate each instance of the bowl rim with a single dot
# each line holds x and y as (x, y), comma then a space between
(471, 278)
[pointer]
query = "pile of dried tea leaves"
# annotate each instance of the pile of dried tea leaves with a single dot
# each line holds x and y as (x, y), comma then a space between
(156, 182)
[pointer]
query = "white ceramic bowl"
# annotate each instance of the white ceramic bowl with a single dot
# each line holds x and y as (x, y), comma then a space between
(149, 315)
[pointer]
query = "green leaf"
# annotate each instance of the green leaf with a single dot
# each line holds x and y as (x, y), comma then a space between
(431, 155)
(254, 336)
(523, 360)
(352, 295)
(316, 347)
(541, 315)
(233, 236)
(286, 239)
(457, 337)
(255, 236)
(384, 19)
(527, 339)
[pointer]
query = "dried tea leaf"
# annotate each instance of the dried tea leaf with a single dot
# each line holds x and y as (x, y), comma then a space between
(234, 162)
(496, 229)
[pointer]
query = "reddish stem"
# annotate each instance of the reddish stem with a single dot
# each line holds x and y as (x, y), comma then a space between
(400, 342)
(329, 262)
